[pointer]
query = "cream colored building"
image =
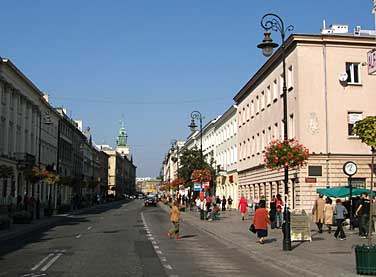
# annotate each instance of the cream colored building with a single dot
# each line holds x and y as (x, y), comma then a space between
(226, 155)
(28, 132)
(321, 113)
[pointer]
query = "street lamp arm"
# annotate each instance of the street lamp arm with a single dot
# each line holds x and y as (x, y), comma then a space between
(271, 21)
(196, 115)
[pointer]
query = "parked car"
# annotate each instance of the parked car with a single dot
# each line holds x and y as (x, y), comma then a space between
(140, 196)
(150, 200)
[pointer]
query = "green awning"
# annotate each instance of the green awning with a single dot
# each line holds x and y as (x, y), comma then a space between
(341, 192)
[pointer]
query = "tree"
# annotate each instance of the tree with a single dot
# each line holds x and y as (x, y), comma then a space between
(365, 129)
(190, 159)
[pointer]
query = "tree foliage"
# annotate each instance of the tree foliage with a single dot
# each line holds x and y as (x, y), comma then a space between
(190, 159)
(365, 129)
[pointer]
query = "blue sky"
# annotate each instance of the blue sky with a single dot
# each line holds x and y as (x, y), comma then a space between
(153, 61)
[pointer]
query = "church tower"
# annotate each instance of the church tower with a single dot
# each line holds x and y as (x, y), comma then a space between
(122, 146)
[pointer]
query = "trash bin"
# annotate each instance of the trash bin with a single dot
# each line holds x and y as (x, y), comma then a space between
(365, 258)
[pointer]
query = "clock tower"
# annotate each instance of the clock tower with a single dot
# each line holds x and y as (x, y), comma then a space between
(122, 146)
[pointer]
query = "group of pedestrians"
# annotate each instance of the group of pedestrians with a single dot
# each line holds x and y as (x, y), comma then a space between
(324, 212)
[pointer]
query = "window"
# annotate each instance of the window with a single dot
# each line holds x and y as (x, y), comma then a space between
(257, 104)
(268, 96)
(269, 135)
(2, 94)
(248, 112)
(244, 116)
(258, 144)
(353, 73)
(291, 126)
(314, 170)
(275, 133)
(352, 118)
(252, 109)
(253, 151)
(290, 80)
(263, 141)
(275, 90)
(281, 84)
(262, 100)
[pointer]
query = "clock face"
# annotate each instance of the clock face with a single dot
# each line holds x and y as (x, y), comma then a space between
(350, 168)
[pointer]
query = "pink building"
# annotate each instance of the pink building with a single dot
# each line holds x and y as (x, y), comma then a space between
(321, 113)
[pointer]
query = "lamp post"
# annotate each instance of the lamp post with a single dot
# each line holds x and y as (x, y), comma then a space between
(197, 115)
(271, 21)
(174, 143)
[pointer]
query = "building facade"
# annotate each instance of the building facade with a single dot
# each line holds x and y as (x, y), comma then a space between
(321, 113)
(226, 155)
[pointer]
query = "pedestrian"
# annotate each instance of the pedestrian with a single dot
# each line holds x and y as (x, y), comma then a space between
(272, 213)
(261, 221)
(223, 203)
(328, 214)
(242, 206)
(218, 201)
(250, 204)
(363, 211)
(318, 212)
(278, 211)
(175, 220)
(229, 203)
(340, 212)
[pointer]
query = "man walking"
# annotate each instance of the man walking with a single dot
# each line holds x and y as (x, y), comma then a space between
(363, 211)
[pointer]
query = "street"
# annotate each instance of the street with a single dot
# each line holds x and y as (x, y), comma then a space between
(124, 240)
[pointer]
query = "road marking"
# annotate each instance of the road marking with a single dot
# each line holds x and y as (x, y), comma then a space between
(153, 242)
(156, 247)
(168, 266)
(163, 259)
(159, 252)
(56, 255)
(54, 259)
(41, 262)
(90, 227)
(78, 236)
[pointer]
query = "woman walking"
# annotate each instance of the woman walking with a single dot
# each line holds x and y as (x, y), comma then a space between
(328, 214)
(175, 218)
(340, 212)
(242, 206)
(261, 221)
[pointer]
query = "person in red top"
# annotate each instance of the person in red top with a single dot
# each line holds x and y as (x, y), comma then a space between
(242, 206)
(261, 221)
(278, 208)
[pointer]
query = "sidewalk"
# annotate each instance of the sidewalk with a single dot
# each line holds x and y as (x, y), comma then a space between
(324, 256)
(17, 230)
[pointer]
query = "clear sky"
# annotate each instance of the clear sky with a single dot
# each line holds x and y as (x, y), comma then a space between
(153, 61)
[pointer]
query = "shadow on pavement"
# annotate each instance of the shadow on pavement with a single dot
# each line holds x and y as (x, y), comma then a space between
(38, 233)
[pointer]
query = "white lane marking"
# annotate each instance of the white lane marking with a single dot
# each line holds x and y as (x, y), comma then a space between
(41, 262)
(163, 259)
(159, 252)
(54, 259)
(151, 238)
(153, 242)
(168, 266)
(89, 228)
(156, 247)
(78, 236)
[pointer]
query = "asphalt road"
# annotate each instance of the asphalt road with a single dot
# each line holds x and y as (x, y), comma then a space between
(124, 240)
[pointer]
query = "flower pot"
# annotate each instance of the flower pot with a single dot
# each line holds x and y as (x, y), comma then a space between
(365, 258)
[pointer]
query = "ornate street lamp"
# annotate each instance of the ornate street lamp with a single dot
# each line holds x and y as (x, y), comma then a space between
(271, 21)
(197, 115)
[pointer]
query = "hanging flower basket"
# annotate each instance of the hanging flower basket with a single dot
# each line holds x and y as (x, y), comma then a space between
(201, 175)
(283, 153)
